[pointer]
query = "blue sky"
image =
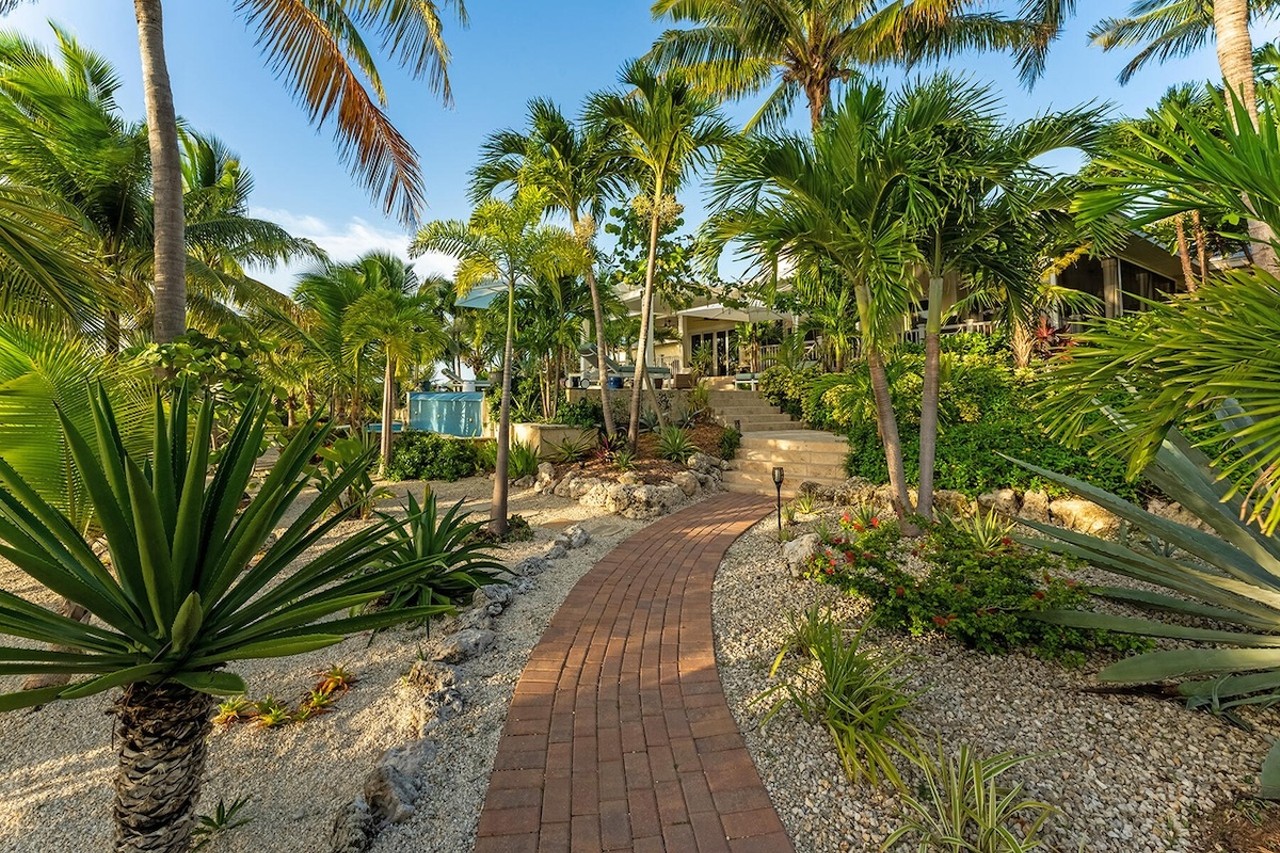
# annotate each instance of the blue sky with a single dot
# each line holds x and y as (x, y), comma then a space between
(514, 50)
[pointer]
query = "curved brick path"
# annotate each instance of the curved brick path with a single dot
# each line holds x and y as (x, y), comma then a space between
(619, 736)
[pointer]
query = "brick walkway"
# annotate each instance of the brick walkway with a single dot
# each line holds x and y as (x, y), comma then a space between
(619, 736)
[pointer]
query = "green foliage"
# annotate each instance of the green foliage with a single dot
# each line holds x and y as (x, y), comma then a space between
(1230, 577)
(984, 532)
(522, 461)
(854, 691)
(574, 448)
(193, 583)
(454, 560)
(788, 387)
(730, 441)
(961, 806)
(518, 529)
(624, 459)
(351, 461)
(224, 819)
(584, 413)
(225, 367)
(486, 455)
(431, 456)
(674, 444)
(984, 599)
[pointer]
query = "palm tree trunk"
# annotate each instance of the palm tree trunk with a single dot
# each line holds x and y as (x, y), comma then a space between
(646, 316)
(929, 395)
(1202, 248)
(162, 730)
(498, 512)
(1020, 342)
(166, 176)
(1184, 251)
(1235, 58)
(886, 420)
(388, 411)
(597, 310)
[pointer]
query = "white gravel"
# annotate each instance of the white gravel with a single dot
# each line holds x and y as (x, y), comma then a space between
(1130, 774)
(57, 764)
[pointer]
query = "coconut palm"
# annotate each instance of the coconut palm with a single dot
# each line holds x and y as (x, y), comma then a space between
(847, 199)
(188, 585)
(579, 165)
(324, 57)
(391, 316)
(1171, 28)
(669, 130)
(792, 48)
(504, 243)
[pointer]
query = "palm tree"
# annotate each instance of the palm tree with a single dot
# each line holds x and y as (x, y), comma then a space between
(1170, 28)
(327, 62)
(392, 316)
(189, 584)
(740, 48)
(846, 199)
(669, 131)
(579, 165)
(991, 209)
(505, 243)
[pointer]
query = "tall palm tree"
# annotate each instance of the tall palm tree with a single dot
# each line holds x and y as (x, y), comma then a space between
(991, 209)
(848, 199)
(669, 130)
(323, 55)
(393, 317)
(579, 165)
(793, 48)
(504, 242)
(1170, 28)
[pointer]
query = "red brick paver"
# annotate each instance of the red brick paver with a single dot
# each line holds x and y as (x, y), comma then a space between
(619, 736)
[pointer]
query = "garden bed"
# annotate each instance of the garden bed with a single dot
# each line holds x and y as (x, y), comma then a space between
(1129, 772)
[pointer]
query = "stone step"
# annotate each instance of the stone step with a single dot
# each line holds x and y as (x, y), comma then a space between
(835, 456)
(758, 418)
(735, 409)
(795, 469)
(797, 441)
(762, 484)
(750, 427)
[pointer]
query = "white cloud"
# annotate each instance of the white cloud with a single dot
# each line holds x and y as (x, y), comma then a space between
(345, 242)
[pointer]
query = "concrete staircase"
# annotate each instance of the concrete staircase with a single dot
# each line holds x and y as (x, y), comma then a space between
(770, 438)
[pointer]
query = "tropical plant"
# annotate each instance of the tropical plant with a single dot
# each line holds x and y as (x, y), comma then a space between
(431, 456)
(668, 130)
(347, 460)
(524, 460)
(504, 242)
(963, 807)
(1229, 576)
(193, 586)
(1172, 28)
(730, 441)
(807, 47)
(455, 561)
(674, 444)
(331, 69)
(573, 448)
(852, 690)
(624, 459)
(985, 532)
(224, 819)
(578, 165)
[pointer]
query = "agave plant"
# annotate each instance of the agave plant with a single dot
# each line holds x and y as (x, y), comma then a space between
(454, 557)
(1231, 578)
(674, 444)
(187, 585)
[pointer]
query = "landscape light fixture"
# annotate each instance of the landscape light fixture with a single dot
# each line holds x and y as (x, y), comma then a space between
(777, 482)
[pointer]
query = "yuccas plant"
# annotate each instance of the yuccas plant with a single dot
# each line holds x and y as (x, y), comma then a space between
(188, 585)
(1231, 578)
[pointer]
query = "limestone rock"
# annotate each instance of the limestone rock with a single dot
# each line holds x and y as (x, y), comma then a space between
(630, 478)
(564, 488)
(430, 676)
(353, 828)
(1035, 506)
(465, 645)
(557, 551)
(523, 482)
(1003, 501)
(1083, 516)
(493, 597)
(531, 566)
(396, 780)
(796, 552)
(579, 486)
(705, 464)
(853, 491)
(687, 481)
(952, 503)
(576, 536)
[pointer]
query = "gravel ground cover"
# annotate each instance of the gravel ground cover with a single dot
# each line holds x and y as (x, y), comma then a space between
(57, 764)
(1130, 773)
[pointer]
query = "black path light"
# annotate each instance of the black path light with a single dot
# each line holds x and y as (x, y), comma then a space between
(777, 482)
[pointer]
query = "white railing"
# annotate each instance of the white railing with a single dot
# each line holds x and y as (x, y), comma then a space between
(984, 327)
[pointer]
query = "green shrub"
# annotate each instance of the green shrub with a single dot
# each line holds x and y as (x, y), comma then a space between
(522, 461)
(431, 456)
(730, 441)
(583, 413)
(486, 455)
(336, 461)
(788, 388)
(854, 691)
(573, 449)
(674, 444)
(981, 598)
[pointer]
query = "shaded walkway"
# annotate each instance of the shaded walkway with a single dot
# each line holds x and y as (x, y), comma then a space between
(619, 736)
